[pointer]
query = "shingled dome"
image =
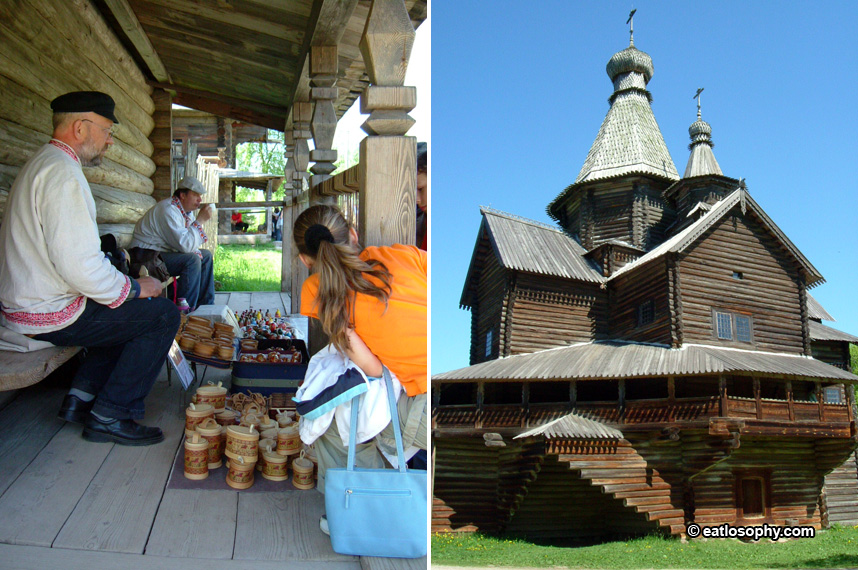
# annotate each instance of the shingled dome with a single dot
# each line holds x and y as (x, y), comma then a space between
(628, 60)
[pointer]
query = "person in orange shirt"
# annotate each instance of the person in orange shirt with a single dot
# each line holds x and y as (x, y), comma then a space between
(372, 304)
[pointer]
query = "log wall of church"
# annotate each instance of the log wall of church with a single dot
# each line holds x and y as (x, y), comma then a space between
(547, 312)
(49, 48)
(767, 290)
(489, 309)
(631, 290)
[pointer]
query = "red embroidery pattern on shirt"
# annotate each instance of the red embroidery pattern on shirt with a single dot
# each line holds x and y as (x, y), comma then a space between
(122, 295)
(65, 148)
(45, 319)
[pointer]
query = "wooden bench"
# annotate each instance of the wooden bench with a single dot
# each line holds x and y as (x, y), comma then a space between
(22, 369)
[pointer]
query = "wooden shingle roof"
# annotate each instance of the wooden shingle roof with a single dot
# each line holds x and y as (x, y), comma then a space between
(573, 425)
(526, 245)
(614, 360)
(818, 331)
(816, 311)
(692, 233)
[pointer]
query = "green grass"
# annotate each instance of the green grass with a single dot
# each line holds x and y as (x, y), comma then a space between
(834, 548)
(248, 267)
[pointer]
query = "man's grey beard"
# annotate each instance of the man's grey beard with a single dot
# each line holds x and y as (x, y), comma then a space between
(90, 155)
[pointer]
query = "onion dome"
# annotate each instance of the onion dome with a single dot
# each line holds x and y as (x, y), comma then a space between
(630, 60)
(702, 160)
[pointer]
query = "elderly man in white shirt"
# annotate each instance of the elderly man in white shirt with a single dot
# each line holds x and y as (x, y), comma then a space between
(169, 228)
(57, 286)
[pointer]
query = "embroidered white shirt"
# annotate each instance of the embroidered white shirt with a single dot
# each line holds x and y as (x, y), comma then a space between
(50, 253)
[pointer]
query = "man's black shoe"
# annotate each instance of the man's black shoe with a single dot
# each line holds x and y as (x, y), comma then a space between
(74, 409)
(123, 432)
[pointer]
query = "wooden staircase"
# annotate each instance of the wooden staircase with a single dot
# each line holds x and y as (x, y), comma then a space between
(627, 477)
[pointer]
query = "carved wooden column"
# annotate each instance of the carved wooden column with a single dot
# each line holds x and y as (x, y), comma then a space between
(388, 169)
(323, 76)
(162, 141)
(301, 117)
(288, 213)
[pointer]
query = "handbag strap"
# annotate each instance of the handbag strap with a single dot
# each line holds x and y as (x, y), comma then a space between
(394, 419)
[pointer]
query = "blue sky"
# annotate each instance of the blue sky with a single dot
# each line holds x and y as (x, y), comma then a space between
(520, 91)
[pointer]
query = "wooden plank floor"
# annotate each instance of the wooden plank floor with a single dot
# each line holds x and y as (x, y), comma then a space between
(68, 503)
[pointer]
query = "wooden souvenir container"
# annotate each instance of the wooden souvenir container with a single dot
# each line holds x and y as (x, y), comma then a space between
(214, 395)
(224, 329)
(310, 453)
(213, 433)
(187, 342)
(225, 351)
(242, 443)
(288, 440)
(240, 475)
(284, 419)
(270, 434)
(302, 473)
(266, 423)
(225, 417)
(204, 348)
(275, 468)
(248, 419)
(196, 457)
(195, 415)
(265, 445)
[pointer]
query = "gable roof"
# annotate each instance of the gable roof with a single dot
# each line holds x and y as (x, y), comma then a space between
(719, 210)
(526, 245)
(819, 331)
(614, 360)
(816, 311)
(573, 425)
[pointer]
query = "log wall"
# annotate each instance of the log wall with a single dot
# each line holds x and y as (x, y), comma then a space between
(547, 312)
(841, 493)
(769, 290)
(628, 292)
(489, 305)
(834, 352)
(49, 48)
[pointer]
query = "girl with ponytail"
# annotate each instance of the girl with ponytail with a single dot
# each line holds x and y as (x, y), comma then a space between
(372, 304)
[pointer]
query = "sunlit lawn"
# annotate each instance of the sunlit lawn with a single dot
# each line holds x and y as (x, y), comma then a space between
(248, 267)
(834, 548)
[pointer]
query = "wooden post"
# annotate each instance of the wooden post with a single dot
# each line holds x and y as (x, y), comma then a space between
(790, 401)
(573, 393)
(301, 115)
(819, 399)
(621, 400)
(162, 141)
(388, 170)
(671, 398)
(850, 401)
(525, 404)
(323, 76)
(722, 389)
(758, 399)
(288, 213)
(481, 397)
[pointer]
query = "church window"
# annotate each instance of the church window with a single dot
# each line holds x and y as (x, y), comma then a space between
(738, 275)
(646, 312)
(724, 326)
(743, 328)
(732, 326)
(489, 343)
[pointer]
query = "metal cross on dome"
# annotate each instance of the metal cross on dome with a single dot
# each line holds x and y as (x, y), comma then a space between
(697, 96)
(631, 23)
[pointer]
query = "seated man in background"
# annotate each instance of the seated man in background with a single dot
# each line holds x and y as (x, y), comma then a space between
(56, 285)
(169, 228)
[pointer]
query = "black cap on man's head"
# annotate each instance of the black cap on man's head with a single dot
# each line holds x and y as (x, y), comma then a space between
(85, 102)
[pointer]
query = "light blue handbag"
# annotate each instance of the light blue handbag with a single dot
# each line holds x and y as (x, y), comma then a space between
(377, 512)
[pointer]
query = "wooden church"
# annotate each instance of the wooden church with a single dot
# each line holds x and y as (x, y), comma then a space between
(655, 359)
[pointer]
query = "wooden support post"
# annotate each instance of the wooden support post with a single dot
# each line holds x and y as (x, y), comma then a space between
(162, 141)
(621, 400)
(525, 404)
(573, 393)
(790, 401)
(323, 76)
(850, 401)
(722, 390)
(388, 171)
(287, 283)
(757, 398)
(481, 397)
(671, 398)
(301, 115)
(820, 397)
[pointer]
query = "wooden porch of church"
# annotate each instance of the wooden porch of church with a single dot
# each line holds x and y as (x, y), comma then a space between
(68, 503)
